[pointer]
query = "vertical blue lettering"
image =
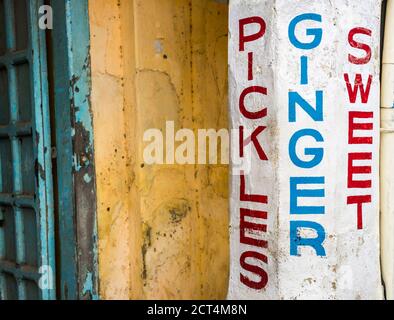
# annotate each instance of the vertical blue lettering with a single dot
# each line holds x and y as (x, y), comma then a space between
(304, 70)
(318, 153)
(296, 193)
(316, 32)
(296, 99)
(296, 240)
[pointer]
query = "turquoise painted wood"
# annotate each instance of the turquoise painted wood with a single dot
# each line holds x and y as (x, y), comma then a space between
(77, 246)
(27, 244)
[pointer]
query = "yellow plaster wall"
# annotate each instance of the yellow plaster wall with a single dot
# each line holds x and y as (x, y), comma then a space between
(163, 229)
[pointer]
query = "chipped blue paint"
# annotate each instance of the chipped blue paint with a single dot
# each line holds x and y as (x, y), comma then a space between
(87, 178)
(74, 132)
(88, 286)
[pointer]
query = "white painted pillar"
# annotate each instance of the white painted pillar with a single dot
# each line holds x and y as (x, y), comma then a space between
(387, 154)
(304, 85)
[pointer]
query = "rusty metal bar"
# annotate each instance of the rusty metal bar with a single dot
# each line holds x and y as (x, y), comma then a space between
(19, 201)
(19, 129)
(20, 272)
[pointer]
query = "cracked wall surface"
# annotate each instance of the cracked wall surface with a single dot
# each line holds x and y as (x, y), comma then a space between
(163, 229)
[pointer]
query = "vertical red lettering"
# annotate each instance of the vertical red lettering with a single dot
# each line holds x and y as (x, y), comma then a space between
(250, 66)
(253, 37)
(245, 226)
(359, 200)
(353, 170)
(260, 284)
(360, 45)
(353, 126)
(250, 197)
(358, 86)
(253, 138)
(248, 114)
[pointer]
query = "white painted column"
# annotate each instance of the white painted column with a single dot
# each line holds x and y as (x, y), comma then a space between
(387, 154)
(304, 105)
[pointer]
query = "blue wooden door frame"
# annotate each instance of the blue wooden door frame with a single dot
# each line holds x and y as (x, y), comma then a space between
(75, 187)
(61, 236)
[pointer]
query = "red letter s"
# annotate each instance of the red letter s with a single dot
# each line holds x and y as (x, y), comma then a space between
(262, 283)
(359, 45)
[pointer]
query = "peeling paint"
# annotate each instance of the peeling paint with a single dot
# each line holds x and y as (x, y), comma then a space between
(77, 184)
(178, 213)
(147, 241)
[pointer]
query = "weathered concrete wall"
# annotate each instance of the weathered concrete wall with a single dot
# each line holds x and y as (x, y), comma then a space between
(305, 213)
(111, 152)
(163, 229)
